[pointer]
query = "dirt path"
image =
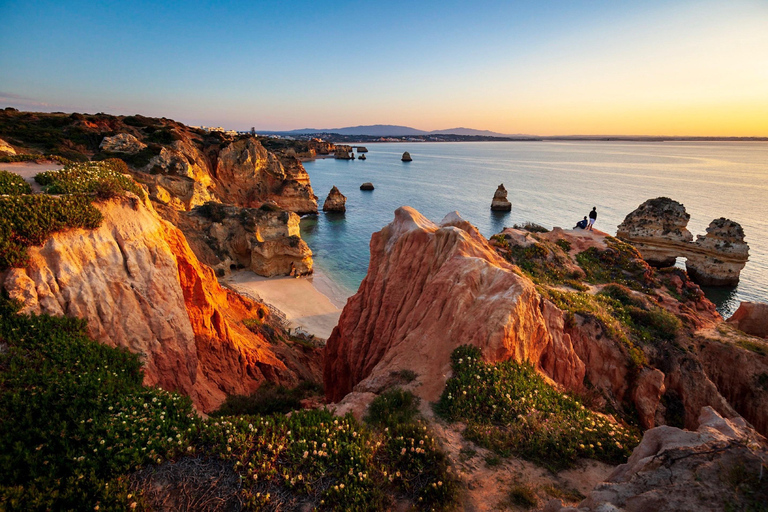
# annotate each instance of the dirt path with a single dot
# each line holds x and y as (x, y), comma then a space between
(28, 171)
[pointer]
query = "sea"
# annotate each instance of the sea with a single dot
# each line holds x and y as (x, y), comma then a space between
(549, 183)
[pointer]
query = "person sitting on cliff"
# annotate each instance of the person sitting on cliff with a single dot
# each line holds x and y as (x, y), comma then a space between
(582, 224)
(592, 217)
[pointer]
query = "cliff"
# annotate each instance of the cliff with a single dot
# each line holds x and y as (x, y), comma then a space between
(552, 299)
(658, 229)
(139, 286)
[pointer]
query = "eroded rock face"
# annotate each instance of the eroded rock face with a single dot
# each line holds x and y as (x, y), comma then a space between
(139, 286)
(658, 229)
(249, 175)
(179, 176)
(335, 202)
(428, 290)
(500, 202)
(6, 149)
(343, 153)
(751, 318)
(717, 467)
(122, 143)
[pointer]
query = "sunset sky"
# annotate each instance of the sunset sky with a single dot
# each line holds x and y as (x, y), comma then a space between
(556, 67)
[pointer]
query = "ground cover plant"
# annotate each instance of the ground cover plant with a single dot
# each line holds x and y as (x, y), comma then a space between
(12, 184)
(510, 409)
(105, 179)
(77, 425)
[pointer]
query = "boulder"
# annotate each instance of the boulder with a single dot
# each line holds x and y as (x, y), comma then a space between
(335, 202)
(718, 467)
(500, 203)
(406, 157)
(366, 186)
(751, 318)
(658, 229)
(122, 143)
(139, 285)
(6, 149)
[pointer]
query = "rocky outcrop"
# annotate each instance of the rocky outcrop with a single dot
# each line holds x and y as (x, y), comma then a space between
(320, 147)
(500, 202)
(718, 467)
(751, 318)
(343, 153)
(335, 202)
(139, 286)
(658, 229)
(264, 240)
(248, 175)
(366, 186)
(361, 157)
(361, 149)
(122, 143)
(406, 157)
(428, 290)
(179, 176)
(6, 149)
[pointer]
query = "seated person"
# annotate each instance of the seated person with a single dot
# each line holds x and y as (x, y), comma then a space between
(582, 224)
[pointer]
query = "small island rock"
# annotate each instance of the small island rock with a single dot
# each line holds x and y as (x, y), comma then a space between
(406, 157)
(361, 157)
(500, 202)
(335, 202)
(366, 186)
(344, 153)
(362, 149)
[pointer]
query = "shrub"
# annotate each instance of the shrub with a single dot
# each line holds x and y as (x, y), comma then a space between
(393, 407)
(12, 184)
(531, 227)
(564, 244)
(269, 398)
(619, 263)
(509, 408)
(31, 219)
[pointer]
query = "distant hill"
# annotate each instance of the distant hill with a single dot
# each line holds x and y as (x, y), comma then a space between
(384, 130)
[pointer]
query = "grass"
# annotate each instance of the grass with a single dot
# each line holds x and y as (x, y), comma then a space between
(524, 496)
(511, 410)
(757, 347)
(76, 423)
(619, 263)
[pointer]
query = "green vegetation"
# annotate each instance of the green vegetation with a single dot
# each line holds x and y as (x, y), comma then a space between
(544, 263)
(76, 423)
(393, 407)
(531, 227)
(268, 399)
(31, 219)
(620, 263)
(511, 410)
(758, 347)
(12, 184)
(564, 244)
(523, 496)
(104, 179)
(33, 158)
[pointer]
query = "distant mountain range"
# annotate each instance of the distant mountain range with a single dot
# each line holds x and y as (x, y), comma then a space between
(384, 130)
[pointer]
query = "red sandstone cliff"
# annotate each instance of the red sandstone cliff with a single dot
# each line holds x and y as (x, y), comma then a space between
(139, 286)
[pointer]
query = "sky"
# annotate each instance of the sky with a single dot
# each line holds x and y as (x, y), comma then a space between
(554, 67)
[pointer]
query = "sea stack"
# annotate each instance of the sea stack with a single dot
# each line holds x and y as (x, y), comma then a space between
(406, 157)
(500, 203)
(344, 153)
(362, 149)
(335, 202)
(361, 157)
(366, 186)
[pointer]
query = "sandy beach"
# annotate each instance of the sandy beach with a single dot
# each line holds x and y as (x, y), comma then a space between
(311, 303)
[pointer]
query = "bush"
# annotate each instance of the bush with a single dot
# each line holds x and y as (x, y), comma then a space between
(509, 408)
(531, 227)
(12, 184)
(269, 398)
(393, 407)
(31, 219)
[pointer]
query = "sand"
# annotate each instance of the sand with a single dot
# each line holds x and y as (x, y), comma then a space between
(28, 170)
(309, 303)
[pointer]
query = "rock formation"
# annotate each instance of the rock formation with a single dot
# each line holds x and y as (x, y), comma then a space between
(344, 153)
(500, 202)
(658, 229)
(361, 149)
(751, 318)
(406, 157)
(428, 290)
(264, 240)
(718, 467)
(361, 157)
(122, 143)
(248, 175)
(139, 286)
(335, 202)
(6, 149)
(366, 186)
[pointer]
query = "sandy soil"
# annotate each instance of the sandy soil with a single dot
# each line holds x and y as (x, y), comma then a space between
(28, 170)
(310, 303)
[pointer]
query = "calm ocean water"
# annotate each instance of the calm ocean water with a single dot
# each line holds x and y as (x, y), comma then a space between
(550, 183)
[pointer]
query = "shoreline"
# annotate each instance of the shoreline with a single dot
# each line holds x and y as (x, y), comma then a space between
(312, 304)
